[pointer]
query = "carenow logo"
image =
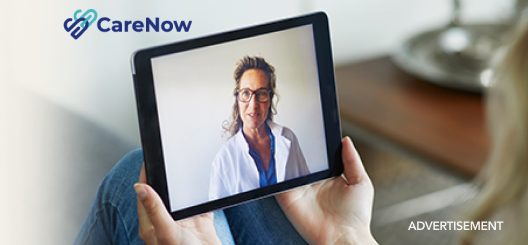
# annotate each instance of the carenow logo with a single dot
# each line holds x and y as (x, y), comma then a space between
(79, 24)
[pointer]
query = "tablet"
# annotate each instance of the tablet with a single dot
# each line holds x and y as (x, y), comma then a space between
(237, 116)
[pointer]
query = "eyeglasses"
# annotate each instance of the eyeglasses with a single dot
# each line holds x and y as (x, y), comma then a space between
(261, 95)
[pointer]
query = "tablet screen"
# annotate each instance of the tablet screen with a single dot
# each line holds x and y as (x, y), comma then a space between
(210, 154)
(240, 115)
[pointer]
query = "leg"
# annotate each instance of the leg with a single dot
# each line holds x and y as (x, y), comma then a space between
(261, 222)
(113, 216)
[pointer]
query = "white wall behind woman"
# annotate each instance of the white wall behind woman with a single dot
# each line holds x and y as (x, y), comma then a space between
(91, 75)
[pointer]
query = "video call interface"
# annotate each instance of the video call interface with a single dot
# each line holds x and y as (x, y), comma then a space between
(219, 137)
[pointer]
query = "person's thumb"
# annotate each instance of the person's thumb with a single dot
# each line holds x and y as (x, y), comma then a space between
(156, 212)
(354, 170)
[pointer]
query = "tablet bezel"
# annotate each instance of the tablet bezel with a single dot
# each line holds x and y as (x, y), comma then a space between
(149, 121)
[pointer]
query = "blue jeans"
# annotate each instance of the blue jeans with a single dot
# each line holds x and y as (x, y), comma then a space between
(113, 217)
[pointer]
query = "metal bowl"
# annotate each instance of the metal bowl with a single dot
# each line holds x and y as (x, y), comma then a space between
(456, 57)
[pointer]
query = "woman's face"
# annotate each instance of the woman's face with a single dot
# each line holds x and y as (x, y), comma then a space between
(254, 113)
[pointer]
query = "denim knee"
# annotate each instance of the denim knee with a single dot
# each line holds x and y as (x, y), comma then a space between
(113, 216)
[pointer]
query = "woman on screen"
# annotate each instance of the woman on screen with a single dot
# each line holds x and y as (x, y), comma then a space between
(259, 152)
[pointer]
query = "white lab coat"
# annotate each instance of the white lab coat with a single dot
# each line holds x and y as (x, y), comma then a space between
(234, 170)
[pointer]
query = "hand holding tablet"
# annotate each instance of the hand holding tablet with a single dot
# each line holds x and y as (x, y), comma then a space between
(337, 210)
(214, 130)
(156, 226)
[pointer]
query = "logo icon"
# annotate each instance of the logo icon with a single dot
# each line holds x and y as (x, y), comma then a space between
(85, 22)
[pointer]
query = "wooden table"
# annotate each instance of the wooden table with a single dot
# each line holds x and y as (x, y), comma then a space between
(445, 126)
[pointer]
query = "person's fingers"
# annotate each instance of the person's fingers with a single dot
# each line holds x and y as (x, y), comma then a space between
(354, 170)
(156, 219)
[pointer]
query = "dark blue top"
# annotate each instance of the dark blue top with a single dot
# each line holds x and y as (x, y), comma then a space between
(269, 177)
